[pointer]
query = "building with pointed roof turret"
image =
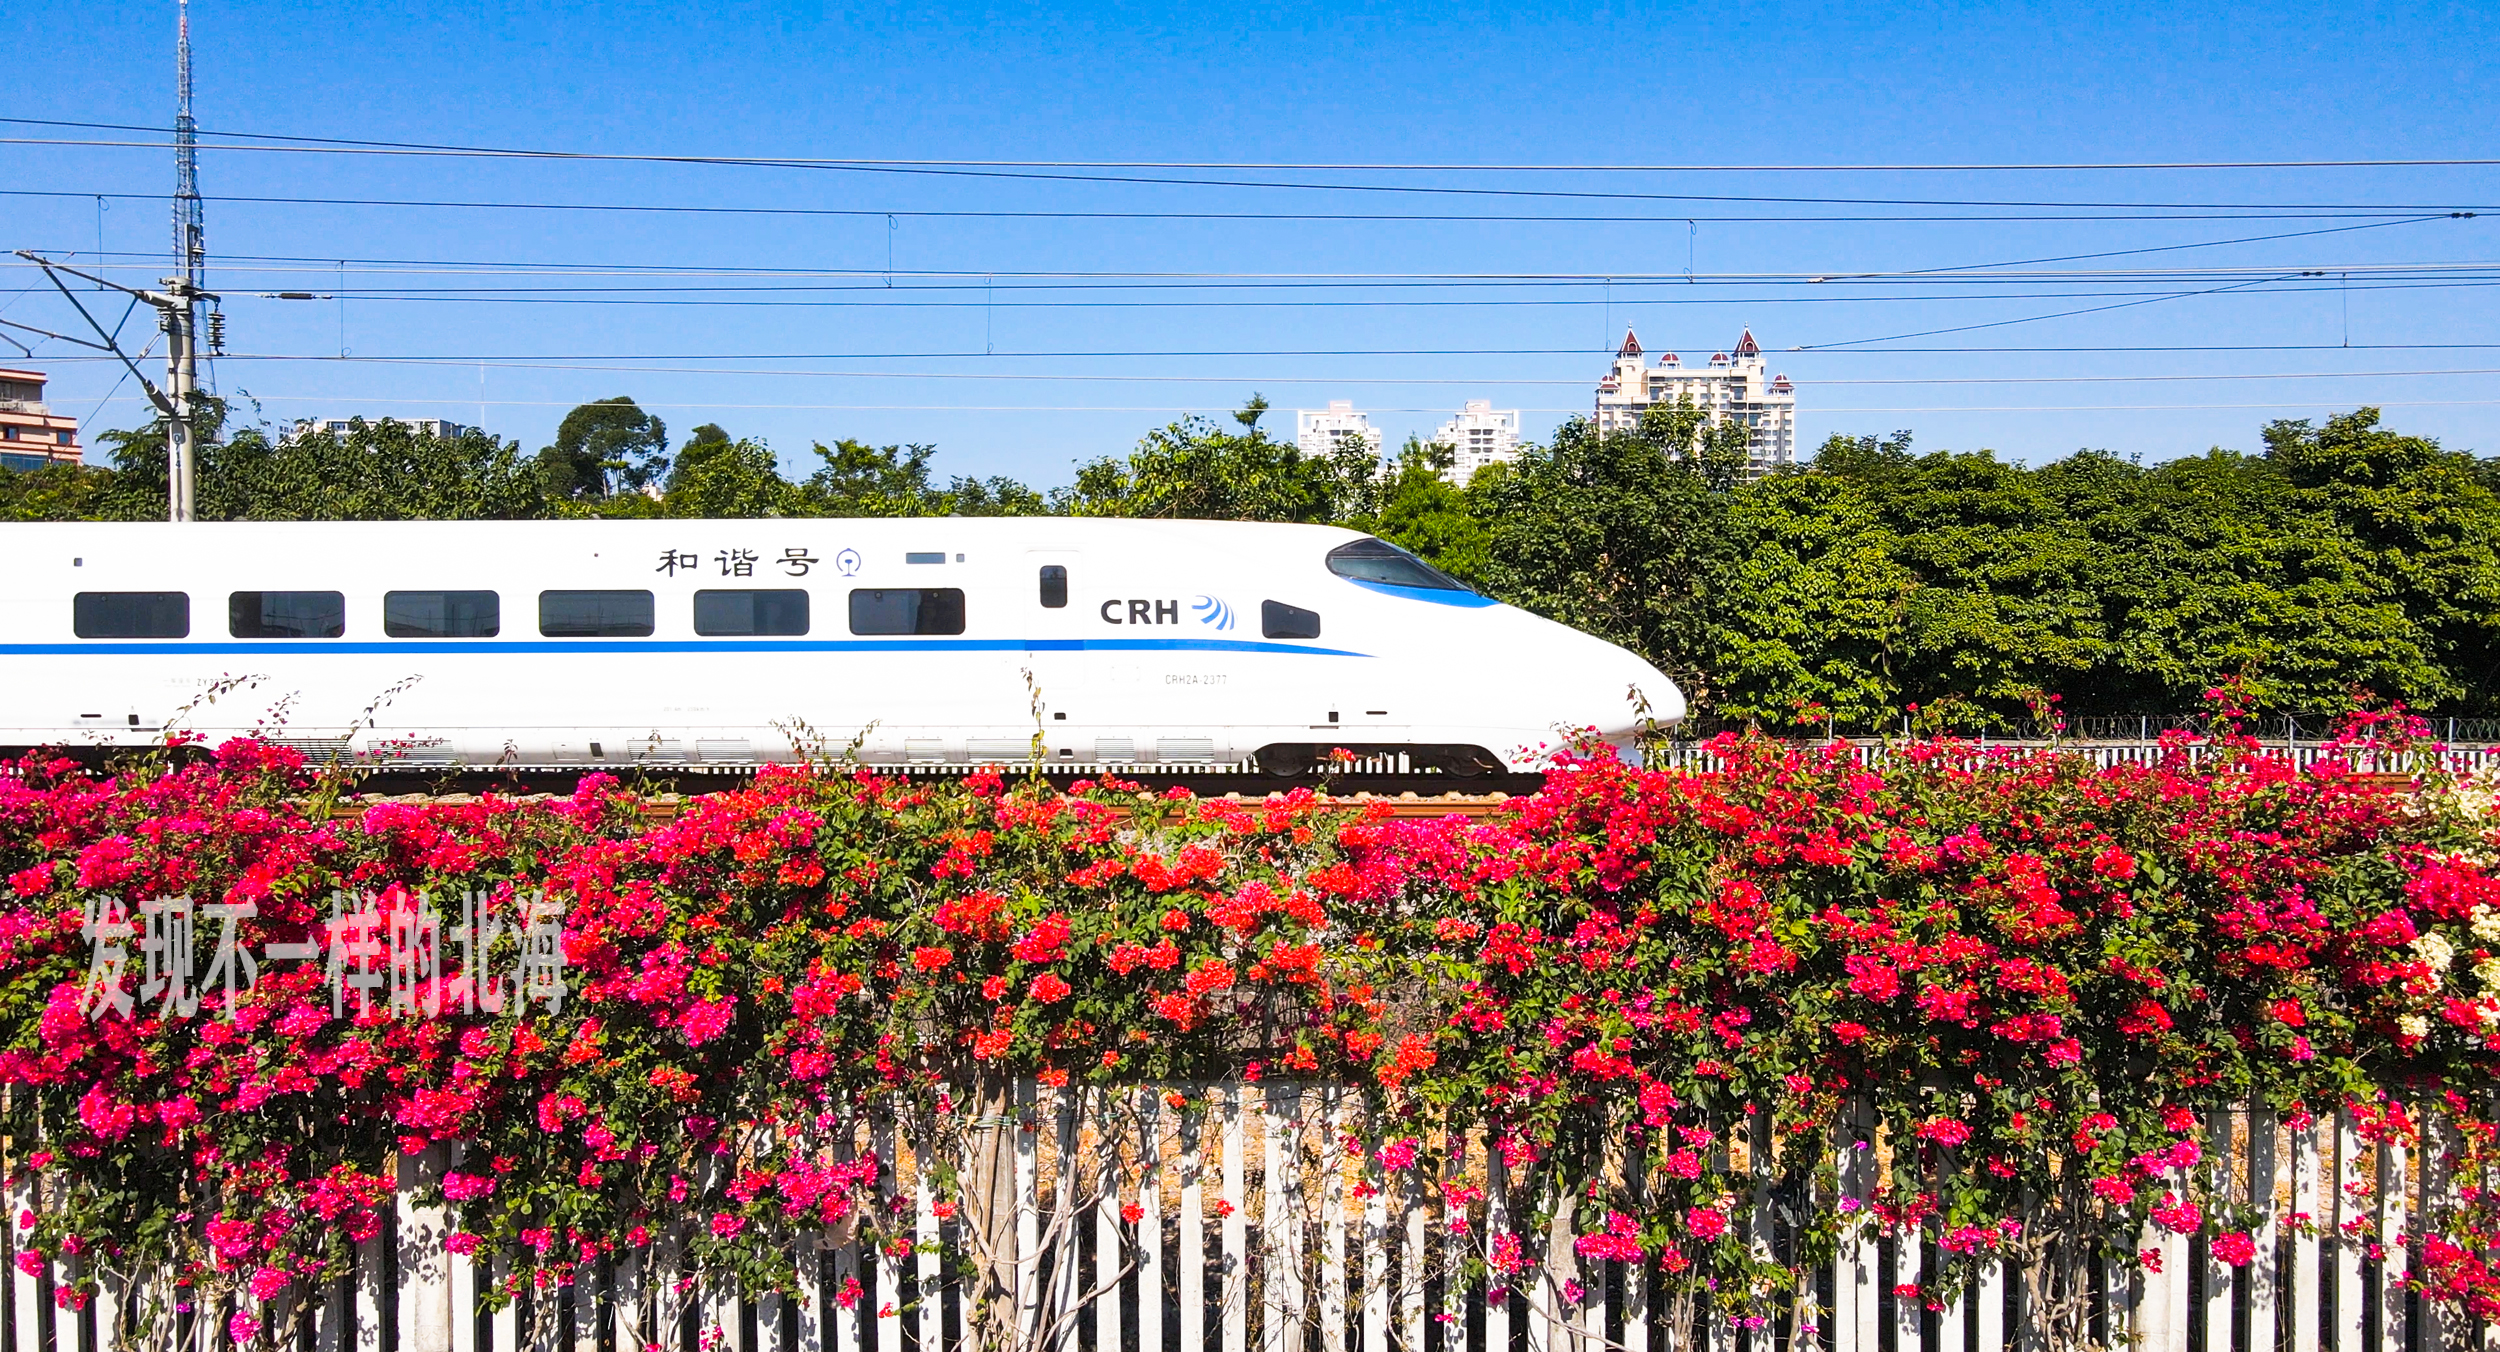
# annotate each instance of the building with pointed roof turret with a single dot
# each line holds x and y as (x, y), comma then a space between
(1734, 387)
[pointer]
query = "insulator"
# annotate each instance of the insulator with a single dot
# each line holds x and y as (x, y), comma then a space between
(217, 333)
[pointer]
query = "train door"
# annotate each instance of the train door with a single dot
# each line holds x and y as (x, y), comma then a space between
(1048, 602)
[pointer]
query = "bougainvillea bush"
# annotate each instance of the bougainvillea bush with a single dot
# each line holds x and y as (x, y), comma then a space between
(2021, 981)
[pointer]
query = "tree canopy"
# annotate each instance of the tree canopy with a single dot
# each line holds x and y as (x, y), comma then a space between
(604, 446)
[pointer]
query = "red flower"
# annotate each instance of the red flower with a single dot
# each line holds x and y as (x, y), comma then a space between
(2145, 1019)
(1414, 1053)
(1944, 1131)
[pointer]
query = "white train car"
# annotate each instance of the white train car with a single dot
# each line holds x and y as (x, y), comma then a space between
(578, 644)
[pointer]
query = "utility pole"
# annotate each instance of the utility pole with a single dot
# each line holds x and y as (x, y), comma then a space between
(177, 306)
(179, 309)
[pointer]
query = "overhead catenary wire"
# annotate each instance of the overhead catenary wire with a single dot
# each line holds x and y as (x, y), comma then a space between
(980, 278)
(504, 296)
(1357, 166)
(2014, 280)
(1217, 409)
(472, 359)
(837, 166)
(1032, 377)
(1497, 218)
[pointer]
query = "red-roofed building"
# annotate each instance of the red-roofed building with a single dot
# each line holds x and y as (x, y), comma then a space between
(1734, 387)
(31, 436)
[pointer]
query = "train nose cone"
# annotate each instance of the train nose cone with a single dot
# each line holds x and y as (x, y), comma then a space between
(1634, 696)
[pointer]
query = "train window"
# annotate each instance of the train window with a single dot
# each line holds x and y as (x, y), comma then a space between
(1278, 620)
(930, 556)
(1373, 560)
(442, 614)
(131, 615)
(747, 613)
(595, 614)
(907, 610)
(286, 614)
(1054, 587)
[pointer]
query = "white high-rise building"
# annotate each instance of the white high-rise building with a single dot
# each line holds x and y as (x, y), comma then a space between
(424, 427)
(1322, 431)
(1480, 435)
(1734, 387)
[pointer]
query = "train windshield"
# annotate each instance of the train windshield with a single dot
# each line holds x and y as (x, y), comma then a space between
(1374, 560)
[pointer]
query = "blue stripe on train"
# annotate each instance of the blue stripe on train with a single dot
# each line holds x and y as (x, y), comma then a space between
(226, 647)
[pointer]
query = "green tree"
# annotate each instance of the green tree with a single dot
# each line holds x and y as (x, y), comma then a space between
(2002, 609)
(605, 446)
(383, 471)
(1623, 535)
(2430, 527)
(857, 479)
(1811, 612)
(997, 495)
(1193, 469)
(54, 493)
(717, 477)
(2214, 567)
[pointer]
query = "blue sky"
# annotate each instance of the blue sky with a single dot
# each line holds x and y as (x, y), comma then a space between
(953, 359)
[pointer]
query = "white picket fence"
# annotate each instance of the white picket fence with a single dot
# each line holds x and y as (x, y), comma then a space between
(2473, 758)
(1346, 1266)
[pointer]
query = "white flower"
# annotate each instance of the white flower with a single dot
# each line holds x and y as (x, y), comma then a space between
(2433, 948)
(2488, 972)
(2487, 924)
(2413, 1025)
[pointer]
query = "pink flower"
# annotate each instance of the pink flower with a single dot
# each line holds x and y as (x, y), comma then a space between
(233, 1239)
(2235, 1248)
(726, 1225)
(1620, 1241)
(2179, 1218)
(1705, 1222)
(707, 1020)
(1944, 1131)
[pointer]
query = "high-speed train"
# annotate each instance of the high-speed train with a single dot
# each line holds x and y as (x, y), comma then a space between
(578, 644)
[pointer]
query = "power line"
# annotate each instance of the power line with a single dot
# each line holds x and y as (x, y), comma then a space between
(1384, 167)
(1437, 409)
(1473, 382)
(2034, 319)
(839, 166)
(982, 278)
(695, 297)
(472, 359)
(654, 208)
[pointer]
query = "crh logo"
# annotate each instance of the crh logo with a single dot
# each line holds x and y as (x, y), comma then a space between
(1212, 612)
(1140, 612)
